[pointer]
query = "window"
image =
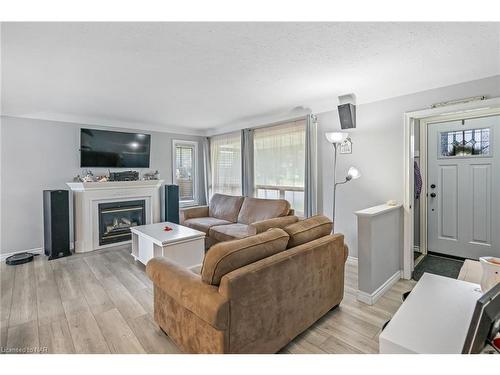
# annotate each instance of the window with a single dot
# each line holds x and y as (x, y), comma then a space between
(225, 157)
(185, 170)
(466, 143)
(279, 163)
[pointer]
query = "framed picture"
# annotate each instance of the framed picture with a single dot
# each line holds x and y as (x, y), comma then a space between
(346, 147)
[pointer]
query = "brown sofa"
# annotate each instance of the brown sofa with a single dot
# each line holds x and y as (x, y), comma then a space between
(231, 217)
(255, 294)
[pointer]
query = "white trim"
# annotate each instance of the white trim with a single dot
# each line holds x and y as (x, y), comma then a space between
(463, 110)
(377, 210)
(194, 144)
(423, 192)
(352, 259)
(372, 298)
(36, 250)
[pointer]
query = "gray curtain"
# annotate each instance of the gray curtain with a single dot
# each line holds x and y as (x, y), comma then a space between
(207, 170)
(311, 171)
(247, 180)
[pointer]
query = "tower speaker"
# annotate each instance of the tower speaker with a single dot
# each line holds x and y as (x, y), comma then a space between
(347, 115)
(172, 203)
(56, 223)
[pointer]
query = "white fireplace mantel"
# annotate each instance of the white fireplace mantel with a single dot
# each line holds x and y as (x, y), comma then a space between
(88, 195)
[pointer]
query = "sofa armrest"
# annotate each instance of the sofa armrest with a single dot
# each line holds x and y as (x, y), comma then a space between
(277, 222)
(193, 212)
(187, 289)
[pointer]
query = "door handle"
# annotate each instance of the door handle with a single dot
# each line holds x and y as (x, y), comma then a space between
(433, 186)
(433, 195)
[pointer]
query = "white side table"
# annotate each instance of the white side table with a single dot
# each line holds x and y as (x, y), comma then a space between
(183, 245)
(434, 319)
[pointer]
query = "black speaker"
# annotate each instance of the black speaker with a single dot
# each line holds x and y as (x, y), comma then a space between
(172, 203)
(347, 115)
(56, 223)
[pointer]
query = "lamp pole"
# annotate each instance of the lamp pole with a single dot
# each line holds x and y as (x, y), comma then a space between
(334, 183)
(336, 138)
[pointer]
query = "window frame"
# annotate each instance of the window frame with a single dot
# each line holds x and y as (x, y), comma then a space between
(471, 156)
(194, 146)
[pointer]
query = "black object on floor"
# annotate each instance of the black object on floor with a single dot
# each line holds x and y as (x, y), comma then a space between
(56, 223)
(405, 295)
(438, 265)
(19, 259)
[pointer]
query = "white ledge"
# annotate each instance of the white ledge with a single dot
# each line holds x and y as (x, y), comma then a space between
(377, 210)
(85, 186)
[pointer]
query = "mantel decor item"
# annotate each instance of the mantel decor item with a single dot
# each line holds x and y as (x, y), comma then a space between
(336, 139)
(124, 176)
(151, 176)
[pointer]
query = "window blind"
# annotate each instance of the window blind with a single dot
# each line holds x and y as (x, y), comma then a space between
(225, 157)
(279, 162)
(184, 156)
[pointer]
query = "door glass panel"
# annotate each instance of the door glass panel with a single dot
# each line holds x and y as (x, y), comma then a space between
(471, 142)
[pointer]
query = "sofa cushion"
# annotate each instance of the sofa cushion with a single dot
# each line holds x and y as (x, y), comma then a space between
(255, 209)
(225, 207)
(231, 232)
(308, 230)
(228, 256)
(204, 223)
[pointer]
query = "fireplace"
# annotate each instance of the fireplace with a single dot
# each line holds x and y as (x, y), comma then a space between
(116, 218)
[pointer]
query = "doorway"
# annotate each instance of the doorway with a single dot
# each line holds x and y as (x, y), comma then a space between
(463, 219)
(463, 188)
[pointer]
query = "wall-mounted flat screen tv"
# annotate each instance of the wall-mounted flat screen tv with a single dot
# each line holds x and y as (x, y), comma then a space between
(108, 149)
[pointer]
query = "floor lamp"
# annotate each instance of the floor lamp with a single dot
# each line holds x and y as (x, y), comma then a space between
(337, 138)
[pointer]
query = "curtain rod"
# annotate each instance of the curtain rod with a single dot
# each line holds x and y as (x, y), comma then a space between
(276, 123)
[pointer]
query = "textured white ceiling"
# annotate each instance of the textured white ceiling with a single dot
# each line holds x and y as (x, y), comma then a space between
(192, 77)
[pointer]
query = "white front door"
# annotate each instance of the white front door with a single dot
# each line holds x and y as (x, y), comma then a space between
(463, 187)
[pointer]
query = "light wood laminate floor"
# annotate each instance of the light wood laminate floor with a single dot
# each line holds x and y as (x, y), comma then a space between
(102, 302)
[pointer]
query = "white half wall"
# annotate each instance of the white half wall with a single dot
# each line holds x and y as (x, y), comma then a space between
(377, 151)
(39, 155)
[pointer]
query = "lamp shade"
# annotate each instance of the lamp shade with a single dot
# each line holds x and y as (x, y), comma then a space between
(353, 173)
(336, 137)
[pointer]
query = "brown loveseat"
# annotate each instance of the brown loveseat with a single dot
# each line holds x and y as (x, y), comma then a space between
(254, 295)
(231, 217)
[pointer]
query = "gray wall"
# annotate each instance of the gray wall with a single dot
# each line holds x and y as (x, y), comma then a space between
(377, 151)
(37, 155)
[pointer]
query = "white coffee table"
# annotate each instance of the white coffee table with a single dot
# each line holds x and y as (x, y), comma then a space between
(434, 319)
(182, 245)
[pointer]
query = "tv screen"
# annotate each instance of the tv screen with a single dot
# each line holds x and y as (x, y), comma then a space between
(102, 148)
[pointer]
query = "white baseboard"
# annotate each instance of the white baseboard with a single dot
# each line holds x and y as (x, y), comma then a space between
(37, 250)
(370, 299)
(351, 259)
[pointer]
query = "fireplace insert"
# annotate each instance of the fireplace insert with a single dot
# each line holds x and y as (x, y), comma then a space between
(116, 218)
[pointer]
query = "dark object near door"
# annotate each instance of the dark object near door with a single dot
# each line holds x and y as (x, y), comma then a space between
(56, 223)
